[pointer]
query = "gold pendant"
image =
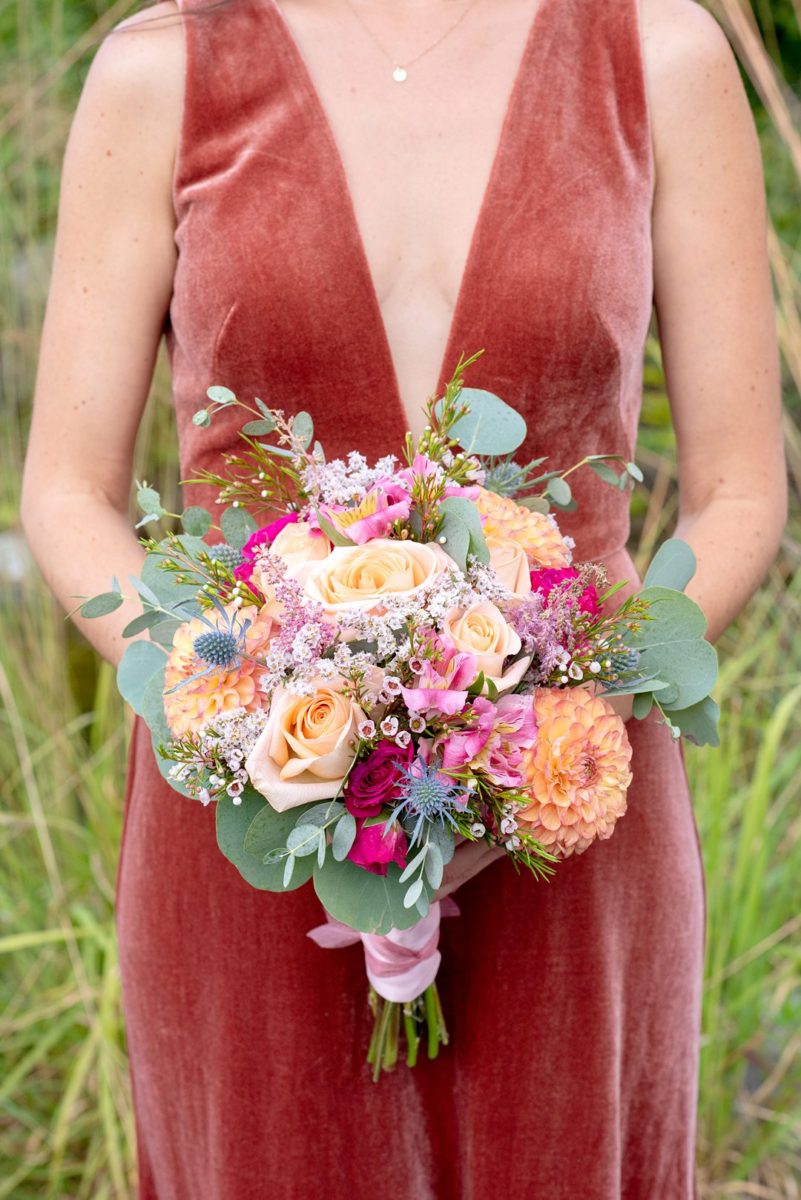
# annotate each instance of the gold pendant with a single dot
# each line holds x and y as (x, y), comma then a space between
(400, 74)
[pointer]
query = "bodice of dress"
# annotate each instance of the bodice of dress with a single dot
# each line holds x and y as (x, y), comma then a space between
(273, 295)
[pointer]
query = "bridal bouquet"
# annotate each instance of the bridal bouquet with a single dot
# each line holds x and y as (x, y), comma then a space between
(404, 656)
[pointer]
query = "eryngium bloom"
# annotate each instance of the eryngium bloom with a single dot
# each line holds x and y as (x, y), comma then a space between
(203, 692)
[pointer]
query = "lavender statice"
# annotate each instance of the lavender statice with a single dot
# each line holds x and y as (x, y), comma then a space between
(304, 636)
(539, 633)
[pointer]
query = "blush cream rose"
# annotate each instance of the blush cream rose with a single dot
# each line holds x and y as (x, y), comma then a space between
(483, 631)
(307, 746)
(362, 576)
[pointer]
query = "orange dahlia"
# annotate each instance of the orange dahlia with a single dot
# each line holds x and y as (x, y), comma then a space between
(577, 773)
(536, 532)
(223, 689)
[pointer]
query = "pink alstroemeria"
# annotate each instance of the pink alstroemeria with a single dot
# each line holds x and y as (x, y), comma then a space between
(441, 686)
(422, 466)
(373, 517)
(494, 743)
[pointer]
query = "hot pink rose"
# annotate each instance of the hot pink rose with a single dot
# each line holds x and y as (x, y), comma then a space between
(441, 686)
(374, 781)
(372, 850)
(545, 580)
(262, 537)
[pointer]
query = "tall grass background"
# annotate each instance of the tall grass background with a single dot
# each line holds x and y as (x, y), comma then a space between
(66, 1125)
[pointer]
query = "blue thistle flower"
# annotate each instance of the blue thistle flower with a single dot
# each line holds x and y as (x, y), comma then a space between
(426, 796)
(229, 556)
(625, 661)
(219, 647)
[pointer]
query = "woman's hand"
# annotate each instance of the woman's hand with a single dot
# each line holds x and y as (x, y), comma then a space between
(468, 860)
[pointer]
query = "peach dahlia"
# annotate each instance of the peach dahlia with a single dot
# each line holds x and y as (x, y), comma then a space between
(537, 533)
(577, 773)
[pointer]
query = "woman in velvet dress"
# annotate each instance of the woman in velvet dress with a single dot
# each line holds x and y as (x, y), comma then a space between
(255, 184)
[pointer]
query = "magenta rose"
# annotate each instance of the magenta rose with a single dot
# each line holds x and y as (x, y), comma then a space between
(373, 851)
(374, 781)
(545, 580)
(262, 537)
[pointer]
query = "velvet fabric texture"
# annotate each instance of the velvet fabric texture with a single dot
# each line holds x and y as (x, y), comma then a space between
(574, 1005)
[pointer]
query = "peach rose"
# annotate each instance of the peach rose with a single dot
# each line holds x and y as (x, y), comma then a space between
(305, 749)
(483, 631)
(297, 544)
(360, 576)
(508, 561)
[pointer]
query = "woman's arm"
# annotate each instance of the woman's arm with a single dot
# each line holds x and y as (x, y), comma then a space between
(110, 289)
(714, 306)
(714, 302)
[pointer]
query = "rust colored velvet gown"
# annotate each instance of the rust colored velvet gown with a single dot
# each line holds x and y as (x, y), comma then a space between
(573, 1005)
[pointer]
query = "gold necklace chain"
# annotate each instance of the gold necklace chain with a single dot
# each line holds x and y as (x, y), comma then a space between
(400, 71)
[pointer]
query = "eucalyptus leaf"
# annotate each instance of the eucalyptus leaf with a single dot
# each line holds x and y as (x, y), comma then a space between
(259, 428)
(235, 824)
(413, 894)
(672, 646)
(237, 525)
(202, 418)
(367, 902)
(413, 864)
(144, 621)
(303, 428)
(467, 512)
(303, 839)
(220, 395)
(324, 813)
(673, 566)
(642, 705)
(344, 836)
(537, 504)
(196, 521)
(140, 662)
(434, 865)
(444, 840)
(144, 590)
(289, 868)
(263, 409)
(490, 427)
(699, 722)
(164, 632)
(102, 605)
(559, 491)
(634, 471)
(605, 472)
(454, 538)
(149, 501)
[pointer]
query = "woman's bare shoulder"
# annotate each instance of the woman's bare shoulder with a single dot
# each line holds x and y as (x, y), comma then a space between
(133, 91)
(692, 77)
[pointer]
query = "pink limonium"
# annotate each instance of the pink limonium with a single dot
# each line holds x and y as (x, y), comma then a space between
(422, 466)
(374, 849)
(493, 741)
(262, 537)
(441, 685)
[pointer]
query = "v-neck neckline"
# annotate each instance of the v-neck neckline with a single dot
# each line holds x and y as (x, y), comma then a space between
(448, 360)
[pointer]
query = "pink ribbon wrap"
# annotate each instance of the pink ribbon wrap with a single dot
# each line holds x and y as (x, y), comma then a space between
(400, 964)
